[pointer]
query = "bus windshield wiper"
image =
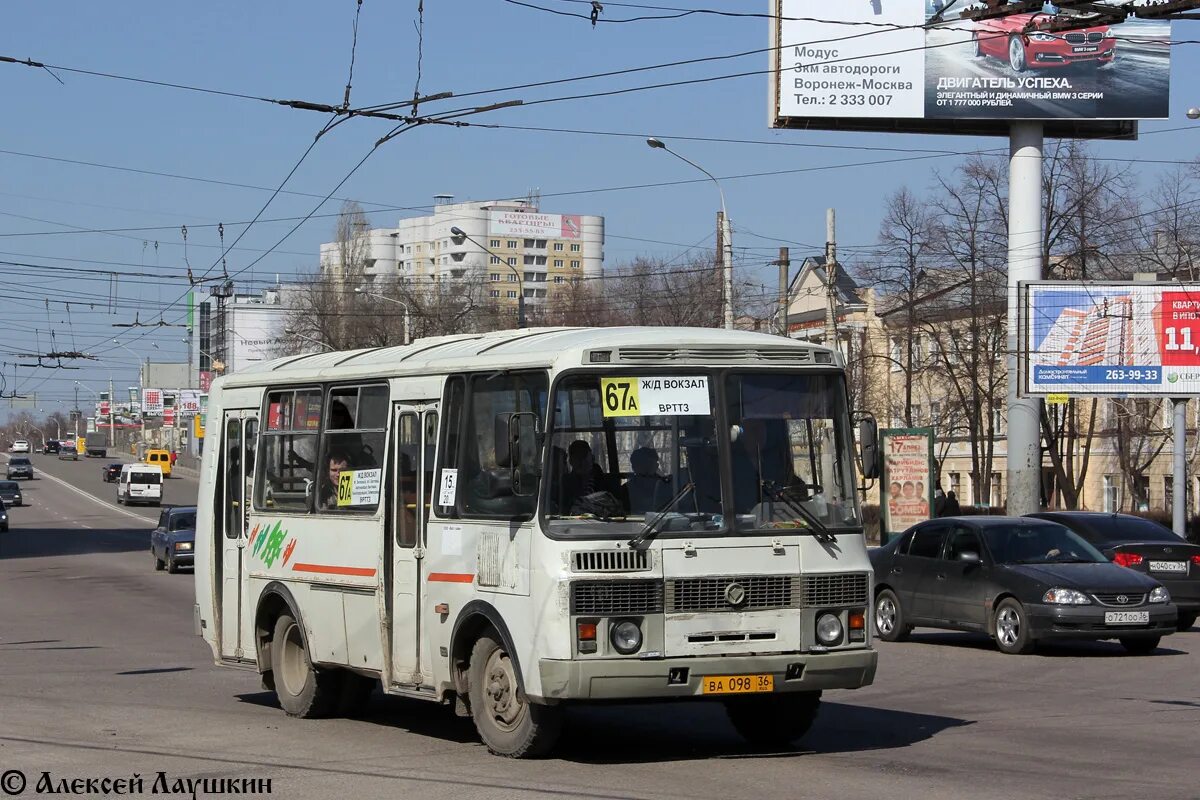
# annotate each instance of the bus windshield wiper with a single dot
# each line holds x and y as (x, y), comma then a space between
(818, 530)
(648, 531)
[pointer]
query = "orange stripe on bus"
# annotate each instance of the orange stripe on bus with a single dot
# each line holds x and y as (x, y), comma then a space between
(451, 577)
(325, 569)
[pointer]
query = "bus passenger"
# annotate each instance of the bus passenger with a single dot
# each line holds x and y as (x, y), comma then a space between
(647, 490)
(337, 462)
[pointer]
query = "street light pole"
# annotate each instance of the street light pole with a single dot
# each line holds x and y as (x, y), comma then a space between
(141, 387)
(407, 311)
(726, 251)
(459, 233)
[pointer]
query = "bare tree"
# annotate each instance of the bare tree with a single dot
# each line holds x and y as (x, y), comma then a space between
(1139, 440)
(906, 238)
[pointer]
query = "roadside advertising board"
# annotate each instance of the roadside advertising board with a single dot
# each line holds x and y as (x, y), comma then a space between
(882, 65)
(152, 402)
(189, 401)
(1118, 338)
(906, 482)
(535, 226)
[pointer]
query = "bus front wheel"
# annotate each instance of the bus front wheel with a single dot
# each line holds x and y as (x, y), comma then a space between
(302, 689)
(773, 720)
(507, 722)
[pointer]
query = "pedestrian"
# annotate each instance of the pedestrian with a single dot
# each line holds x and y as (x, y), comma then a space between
(174, 457)
(953, 509)
(939, 501)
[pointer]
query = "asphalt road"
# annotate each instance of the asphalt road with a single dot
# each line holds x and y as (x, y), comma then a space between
(101, 676)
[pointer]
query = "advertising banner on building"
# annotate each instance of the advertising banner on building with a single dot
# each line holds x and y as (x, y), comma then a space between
(535, 226)
(152, 402)
(884, 59)
(906, 483)
(206, 379)
(1111, 338)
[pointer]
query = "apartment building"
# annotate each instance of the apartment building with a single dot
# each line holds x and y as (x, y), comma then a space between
(511, 245)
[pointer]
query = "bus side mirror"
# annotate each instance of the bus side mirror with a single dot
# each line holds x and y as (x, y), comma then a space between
(868, 447)
(518, 438)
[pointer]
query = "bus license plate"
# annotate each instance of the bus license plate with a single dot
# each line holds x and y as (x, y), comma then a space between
(737, 684)
(1126, 617)
(1168, 566)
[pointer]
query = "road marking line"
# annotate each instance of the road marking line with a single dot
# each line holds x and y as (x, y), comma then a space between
(93, 497)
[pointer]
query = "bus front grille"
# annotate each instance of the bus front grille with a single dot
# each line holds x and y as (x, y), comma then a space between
(615, 598)
(610, 561)
(732, 593)
(829, 591)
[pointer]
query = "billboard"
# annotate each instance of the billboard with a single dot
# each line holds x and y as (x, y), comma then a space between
(874, 64)
(152, 402)
(1118, 338)
(906, 482)
(535, 226)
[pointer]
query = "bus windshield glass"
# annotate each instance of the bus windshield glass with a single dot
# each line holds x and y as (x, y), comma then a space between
(631, 450)
(628, 448)
(790, 451)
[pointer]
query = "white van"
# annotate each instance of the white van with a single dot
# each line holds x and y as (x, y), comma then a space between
(140, 483)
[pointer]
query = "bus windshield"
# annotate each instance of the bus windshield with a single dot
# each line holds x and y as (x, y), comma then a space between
(631, 450)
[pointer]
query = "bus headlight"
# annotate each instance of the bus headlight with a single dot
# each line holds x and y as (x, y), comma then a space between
(626, 636)
(829, 629)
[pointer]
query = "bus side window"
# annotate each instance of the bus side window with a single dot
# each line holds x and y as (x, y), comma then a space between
(430, 447)
(288, 460)
(407, 444)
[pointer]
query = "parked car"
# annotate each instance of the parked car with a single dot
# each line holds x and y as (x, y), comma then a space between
(10, 493)
(19, 467)
(140, 483)
(3, 517)
(1019, 580)
(171, 543)
(20, 446)
(51, 446)
(1144, 546)
(1008, 39)
(112, 471)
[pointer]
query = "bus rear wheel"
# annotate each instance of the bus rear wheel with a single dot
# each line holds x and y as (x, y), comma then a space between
(773, 720)
(302, 689)
(507, 722)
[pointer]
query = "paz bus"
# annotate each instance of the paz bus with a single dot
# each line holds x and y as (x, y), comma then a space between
(513, 522)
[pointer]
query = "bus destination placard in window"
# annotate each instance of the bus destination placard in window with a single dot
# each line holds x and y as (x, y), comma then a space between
(672, 396)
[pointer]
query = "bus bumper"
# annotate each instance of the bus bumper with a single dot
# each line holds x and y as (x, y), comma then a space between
(633, 679)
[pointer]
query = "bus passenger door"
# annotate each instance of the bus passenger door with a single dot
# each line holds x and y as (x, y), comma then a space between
(236, 471)
(415, 441)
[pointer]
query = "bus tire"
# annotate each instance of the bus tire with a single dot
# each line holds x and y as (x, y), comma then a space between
(507, 722)
(773, 720)
(303, 690)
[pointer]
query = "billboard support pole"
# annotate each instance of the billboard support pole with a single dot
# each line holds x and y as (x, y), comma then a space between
(1179, 482)
(1024, 264)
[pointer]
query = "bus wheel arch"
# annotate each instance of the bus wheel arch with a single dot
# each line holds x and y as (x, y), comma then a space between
(476, 619)
(276, 599)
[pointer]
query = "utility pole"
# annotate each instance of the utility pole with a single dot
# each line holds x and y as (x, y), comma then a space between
(831, 278)
(112, 415)
(785, 265)
(1024, 458)
(1179, 481)
(725, 261)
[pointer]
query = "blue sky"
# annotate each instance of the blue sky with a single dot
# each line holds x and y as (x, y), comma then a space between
(300, 49)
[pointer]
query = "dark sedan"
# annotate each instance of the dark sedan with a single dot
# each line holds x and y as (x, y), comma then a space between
(1017, 579)
(51, 446)
(1143, 546)
(10, 493)
(172, 542)
(111, 471)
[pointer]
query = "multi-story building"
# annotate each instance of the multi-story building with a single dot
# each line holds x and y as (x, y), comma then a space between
(234, 330)
(510, 245)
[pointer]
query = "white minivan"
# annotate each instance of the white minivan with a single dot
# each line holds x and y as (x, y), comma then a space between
(140, 483)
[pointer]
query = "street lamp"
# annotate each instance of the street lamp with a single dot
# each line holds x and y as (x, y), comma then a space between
(459, 233)
(726, 254)
(141, 387)
(407, 310)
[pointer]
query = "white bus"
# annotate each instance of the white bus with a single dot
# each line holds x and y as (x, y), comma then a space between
(515, 521)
